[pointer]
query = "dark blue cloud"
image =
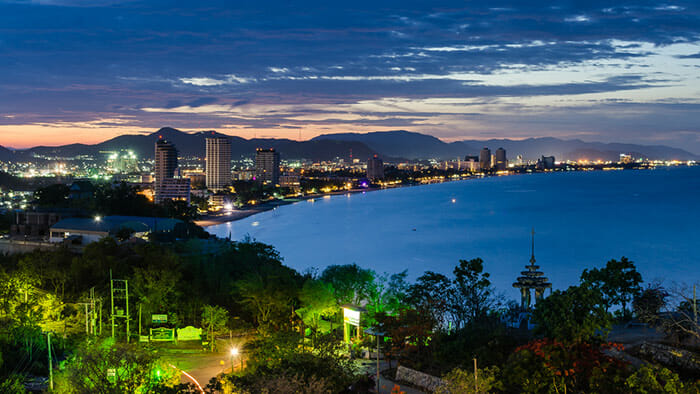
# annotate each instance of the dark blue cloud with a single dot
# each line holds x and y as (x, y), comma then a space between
(76, 60)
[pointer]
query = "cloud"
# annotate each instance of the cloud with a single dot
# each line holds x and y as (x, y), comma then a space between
(206, 81)
(578, 19)
(426, 66)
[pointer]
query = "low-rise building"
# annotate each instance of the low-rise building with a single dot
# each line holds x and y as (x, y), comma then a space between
(88, 230)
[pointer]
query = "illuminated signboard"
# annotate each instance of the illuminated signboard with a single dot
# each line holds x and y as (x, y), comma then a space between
(159, 319)
(351, 317)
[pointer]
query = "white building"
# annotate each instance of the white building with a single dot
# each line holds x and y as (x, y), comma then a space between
(218, 168)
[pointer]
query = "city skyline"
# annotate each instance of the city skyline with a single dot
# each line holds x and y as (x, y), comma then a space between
(83, 72)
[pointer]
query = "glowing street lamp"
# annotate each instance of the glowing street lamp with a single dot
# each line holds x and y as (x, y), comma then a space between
(234, 354)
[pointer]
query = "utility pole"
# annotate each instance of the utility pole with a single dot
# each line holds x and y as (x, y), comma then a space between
(119, 292)
(378, 363)
(48, 340)
(476, 382)
(695, 308)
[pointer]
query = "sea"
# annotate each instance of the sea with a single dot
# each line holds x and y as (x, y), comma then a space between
(580, 220)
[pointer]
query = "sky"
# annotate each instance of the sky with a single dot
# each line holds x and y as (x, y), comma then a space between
(612, 71)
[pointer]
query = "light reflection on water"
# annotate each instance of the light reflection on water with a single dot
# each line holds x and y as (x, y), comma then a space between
(581, 219)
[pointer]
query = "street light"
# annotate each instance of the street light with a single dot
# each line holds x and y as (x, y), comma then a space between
(234, 354)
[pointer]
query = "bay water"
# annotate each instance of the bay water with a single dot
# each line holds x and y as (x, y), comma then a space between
(581, 220)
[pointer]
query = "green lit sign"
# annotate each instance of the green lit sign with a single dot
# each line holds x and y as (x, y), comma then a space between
(159, 319)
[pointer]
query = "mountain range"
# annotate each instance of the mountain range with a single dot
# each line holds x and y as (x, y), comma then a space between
(390, 145)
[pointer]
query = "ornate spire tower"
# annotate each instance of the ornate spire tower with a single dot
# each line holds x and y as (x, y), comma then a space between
(532, 279)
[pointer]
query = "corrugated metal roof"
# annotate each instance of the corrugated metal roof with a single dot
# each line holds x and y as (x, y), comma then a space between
(111, 224)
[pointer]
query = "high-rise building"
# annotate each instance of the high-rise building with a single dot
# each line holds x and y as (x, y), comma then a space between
(501, 161)
(375, 168)
(174, 189)
(485, 159)
(165, 165)
(545, 163)
(471, 163)
(218, 169)
(267, 166)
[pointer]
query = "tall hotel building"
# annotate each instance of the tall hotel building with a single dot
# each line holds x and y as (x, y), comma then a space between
(485, 159)
(501, 161)
(267, 166)
(166, 186)
(375, 168)
(218, 170)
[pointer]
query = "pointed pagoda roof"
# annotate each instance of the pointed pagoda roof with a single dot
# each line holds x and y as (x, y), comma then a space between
(532, 278)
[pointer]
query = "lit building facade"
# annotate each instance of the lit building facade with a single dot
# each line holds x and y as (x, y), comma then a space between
(485, 159)
(174, 189)
(470, 163)
(375, 168)
(218, 167)
(501, 161)
(165, 165)
(267, 166)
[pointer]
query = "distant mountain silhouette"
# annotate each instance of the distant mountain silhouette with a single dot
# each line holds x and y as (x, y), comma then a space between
(405, 144)
(420, 146)
(194, 145)
(6, 154)
(388, 145)
(532, 148)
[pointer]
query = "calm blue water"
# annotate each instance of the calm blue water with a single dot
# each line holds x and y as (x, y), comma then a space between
(582, 219)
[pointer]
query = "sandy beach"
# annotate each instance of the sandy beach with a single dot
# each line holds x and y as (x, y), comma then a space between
(238, 214)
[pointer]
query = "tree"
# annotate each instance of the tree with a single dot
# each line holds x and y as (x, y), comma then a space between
(654, 379)
(649, 302)
(214, 319)
(463, 382)
(277, 359)
(107, 367)
(268, 299)
(387, 293)
(350, 283)
(410, 332)
(157, 286)
(431, 293)
(576, 314)
(52, 195)
(618, 282)
(471, 297)
(318, 301)
(552, 366)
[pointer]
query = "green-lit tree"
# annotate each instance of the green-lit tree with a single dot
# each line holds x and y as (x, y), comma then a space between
(109, 368)
(318, 301)
(464, 382)
(350, 283)
(214, 319)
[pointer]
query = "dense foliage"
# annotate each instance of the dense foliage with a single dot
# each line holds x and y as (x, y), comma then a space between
(293, 323)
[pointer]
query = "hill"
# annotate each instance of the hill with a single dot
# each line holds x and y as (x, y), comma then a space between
(532, 148)
(388, 145)
(405, 144)
(194, 145)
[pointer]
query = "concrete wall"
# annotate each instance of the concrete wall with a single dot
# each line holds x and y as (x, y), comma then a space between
(419, 379)
(14, 247)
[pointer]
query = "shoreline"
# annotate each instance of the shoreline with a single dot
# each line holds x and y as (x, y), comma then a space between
(239, 214)
(236, 215)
